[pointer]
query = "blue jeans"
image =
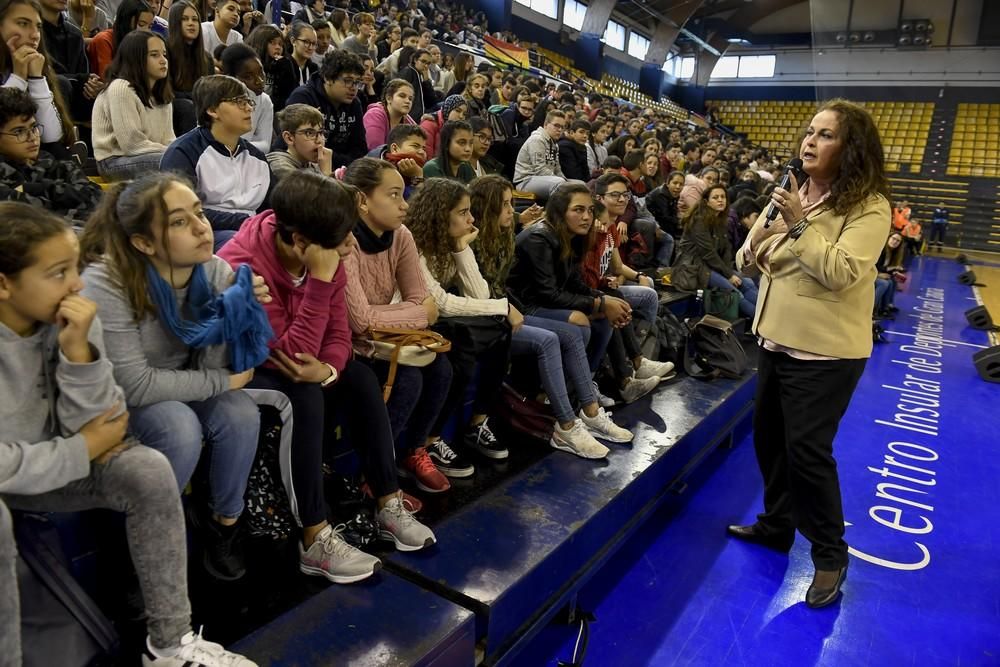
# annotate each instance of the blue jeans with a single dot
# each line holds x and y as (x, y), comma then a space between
(562, 358)
(644, 301)
(665, 251)
(229, 422)
(885, 291)
(594, 338)
(128, 167)
(748, 304)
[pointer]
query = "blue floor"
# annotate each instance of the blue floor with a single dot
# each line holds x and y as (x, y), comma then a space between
(924, 581)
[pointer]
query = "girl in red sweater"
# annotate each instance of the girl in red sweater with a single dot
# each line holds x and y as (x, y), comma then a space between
(298, 248)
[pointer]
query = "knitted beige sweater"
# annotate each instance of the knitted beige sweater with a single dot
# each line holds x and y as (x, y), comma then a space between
(122, 126)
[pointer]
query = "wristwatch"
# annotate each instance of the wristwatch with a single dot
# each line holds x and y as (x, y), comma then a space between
(330, 380)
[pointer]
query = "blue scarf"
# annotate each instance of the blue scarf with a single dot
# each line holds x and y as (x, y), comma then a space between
(233, 317)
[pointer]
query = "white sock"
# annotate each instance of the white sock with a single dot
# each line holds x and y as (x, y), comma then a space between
(161, 652)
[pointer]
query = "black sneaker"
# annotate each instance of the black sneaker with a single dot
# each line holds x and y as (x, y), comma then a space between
(223, 552)
(482, 439)
(449, 462)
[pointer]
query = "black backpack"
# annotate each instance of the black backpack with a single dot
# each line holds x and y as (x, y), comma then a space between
(664, 341)
(713, 350)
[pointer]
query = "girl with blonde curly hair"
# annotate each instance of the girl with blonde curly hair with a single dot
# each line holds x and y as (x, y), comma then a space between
(478, 325)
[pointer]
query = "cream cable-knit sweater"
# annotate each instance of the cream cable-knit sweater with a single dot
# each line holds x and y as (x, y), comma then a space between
(123, 126)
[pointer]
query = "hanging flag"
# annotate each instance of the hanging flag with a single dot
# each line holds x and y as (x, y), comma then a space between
(505, 52)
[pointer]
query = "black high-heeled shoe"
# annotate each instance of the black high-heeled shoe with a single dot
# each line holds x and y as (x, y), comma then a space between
(820, 597)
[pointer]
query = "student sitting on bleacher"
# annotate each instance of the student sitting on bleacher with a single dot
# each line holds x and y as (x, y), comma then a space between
(269, 44)
(241, 62)
(561, 357)
(132, 15)
(546, 279)
(476, 95)
(302, 130)
(596, 151)
(394, 109)
(153, 276)
(390, 66)
(662, 205)
(386, 263)
(442, 229)
(31, 175)
(64, 43)
(573, 151)
(705, 255)
(63, 443)
(297, 248)
(417, 73)
(453, 160)
(537, 168)
(407, 150)
(454, 108)
(133, 116)
(334, 91)
(188, 61)
(482, 162)
(361, 42)
(25, 68)
(230, 175)
(221, 31)
(296, 68)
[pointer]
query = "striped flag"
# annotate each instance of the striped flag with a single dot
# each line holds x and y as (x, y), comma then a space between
(500, 51)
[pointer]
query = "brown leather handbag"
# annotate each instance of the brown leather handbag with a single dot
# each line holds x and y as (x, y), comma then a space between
(409, 347)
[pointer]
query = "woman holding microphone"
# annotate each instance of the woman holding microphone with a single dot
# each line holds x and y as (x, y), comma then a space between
(813, 322)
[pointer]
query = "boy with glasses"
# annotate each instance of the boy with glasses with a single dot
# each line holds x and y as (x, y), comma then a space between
(334, 92)
(537, 168)
(302, 131)
(229, 174)
(31, 175)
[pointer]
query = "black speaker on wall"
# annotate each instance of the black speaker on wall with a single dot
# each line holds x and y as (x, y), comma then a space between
(988, 363)
(967, 278)
(979, 318)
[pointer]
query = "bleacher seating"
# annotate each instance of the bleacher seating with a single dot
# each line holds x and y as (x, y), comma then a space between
(975, 144)
(775, 124)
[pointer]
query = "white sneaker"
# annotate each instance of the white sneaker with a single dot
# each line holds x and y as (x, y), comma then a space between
(194, 650)
(577, 440)
(398, 524)
(602, 427)
(602, 400)
(331, 557)
(636, 388)
(649, 368)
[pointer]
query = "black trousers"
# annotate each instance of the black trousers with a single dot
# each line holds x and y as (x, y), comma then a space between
(355, 401)
(622, 349)
(475, 341)
(798, 407)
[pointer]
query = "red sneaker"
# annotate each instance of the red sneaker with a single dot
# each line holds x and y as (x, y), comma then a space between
(419, 466)
(414, 503)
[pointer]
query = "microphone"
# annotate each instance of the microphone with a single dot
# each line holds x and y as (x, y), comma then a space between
(795, 164)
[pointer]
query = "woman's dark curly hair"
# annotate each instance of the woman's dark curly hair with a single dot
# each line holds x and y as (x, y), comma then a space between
(495, 245)
(862, 159)
(428, 219)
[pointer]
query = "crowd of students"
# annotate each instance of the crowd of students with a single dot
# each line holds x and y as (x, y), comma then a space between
(212, 281)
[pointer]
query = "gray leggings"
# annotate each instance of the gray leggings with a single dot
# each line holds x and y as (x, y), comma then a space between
(139, 482)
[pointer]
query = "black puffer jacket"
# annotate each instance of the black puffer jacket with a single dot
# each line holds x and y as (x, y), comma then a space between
(540, 278)
(663, 207)
(573, 160)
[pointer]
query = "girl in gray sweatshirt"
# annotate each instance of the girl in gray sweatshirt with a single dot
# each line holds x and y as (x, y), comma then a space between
(154, 278)
(63, 445)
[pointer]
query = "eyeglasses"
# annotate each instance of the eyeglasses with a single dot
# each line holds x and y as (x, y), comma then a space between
(616, 196)
(22, 134)
(311, 134)
(424, 62)
(485, 138)
(307, 42)
(242, 102)
(351, 83)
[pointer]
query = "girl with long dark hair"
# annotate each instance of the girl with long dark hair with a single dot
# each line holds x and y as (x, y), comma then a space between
(133, 115)
(561, 358)
(392, 110)
(297, 67)
(132, 15)
(456, 149)
(546, 279)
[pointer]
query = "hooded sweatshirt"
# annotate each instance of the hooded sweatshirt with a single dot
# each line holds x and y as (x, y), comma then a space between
(539, 156)
(308, 317)
(345, 134)
(47, 400)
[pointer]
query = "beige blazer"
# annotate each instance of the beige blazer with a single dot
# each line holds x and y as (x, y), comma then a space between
(817, 292)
